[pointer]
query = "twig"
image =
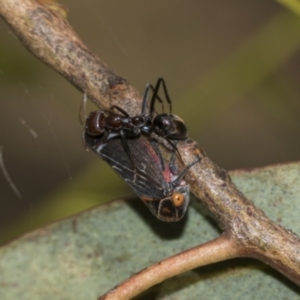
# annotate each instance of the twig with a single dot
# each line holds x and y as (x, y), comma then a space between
(247, 229)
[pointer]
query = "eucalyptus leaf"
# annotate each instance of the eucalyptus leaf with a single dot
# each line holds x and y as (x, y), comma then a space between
(84, 256)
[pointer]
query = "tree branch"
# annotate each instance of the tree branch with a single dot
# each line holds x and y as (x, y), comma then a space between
(248, 226)
(248, 231)
(47, 35)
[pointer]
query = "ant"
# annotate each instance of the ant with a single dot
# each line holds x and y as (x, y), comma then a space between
(111, 124)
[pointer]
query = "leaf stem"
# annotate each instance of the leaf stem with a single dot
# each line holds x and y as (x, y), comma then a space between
(221, 248)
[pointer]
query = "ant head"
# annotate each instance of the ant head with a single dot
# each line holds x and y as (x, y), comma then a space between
(170, 126)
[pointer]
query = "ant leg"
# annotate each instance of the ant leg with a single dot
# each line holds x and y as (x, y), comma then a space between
(185, 170)
(128, 152)
(145, 100)
(83, 141)
(173, 144)
(120, 110)
(82, 119)
(172, 165)
(82, 109)
(160, 82)
(105, 136)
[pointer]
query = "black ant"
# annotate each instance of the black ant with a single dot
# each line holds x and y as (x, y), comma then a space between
(166, 125)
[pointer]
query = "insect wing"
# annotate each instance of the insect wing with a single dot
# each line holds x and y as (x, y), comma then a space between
(148, 180)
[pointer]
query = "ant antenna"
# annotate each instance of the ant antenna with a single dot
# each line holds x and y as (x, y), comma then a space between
(82, 109)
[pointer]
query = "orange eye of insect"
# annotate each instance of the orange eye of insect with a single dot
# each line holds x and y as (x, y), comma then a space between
(178, 199)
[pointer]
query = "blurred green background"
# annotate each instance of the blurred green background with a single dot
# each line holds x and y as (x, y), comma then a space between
(232, 70)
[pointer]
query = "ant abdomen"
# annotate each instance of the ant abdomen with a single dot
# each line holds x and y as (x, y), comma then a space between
(95, 123)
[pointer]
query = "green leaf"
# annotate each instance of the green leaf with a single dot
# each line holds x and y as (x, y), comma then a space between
(83, 256)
